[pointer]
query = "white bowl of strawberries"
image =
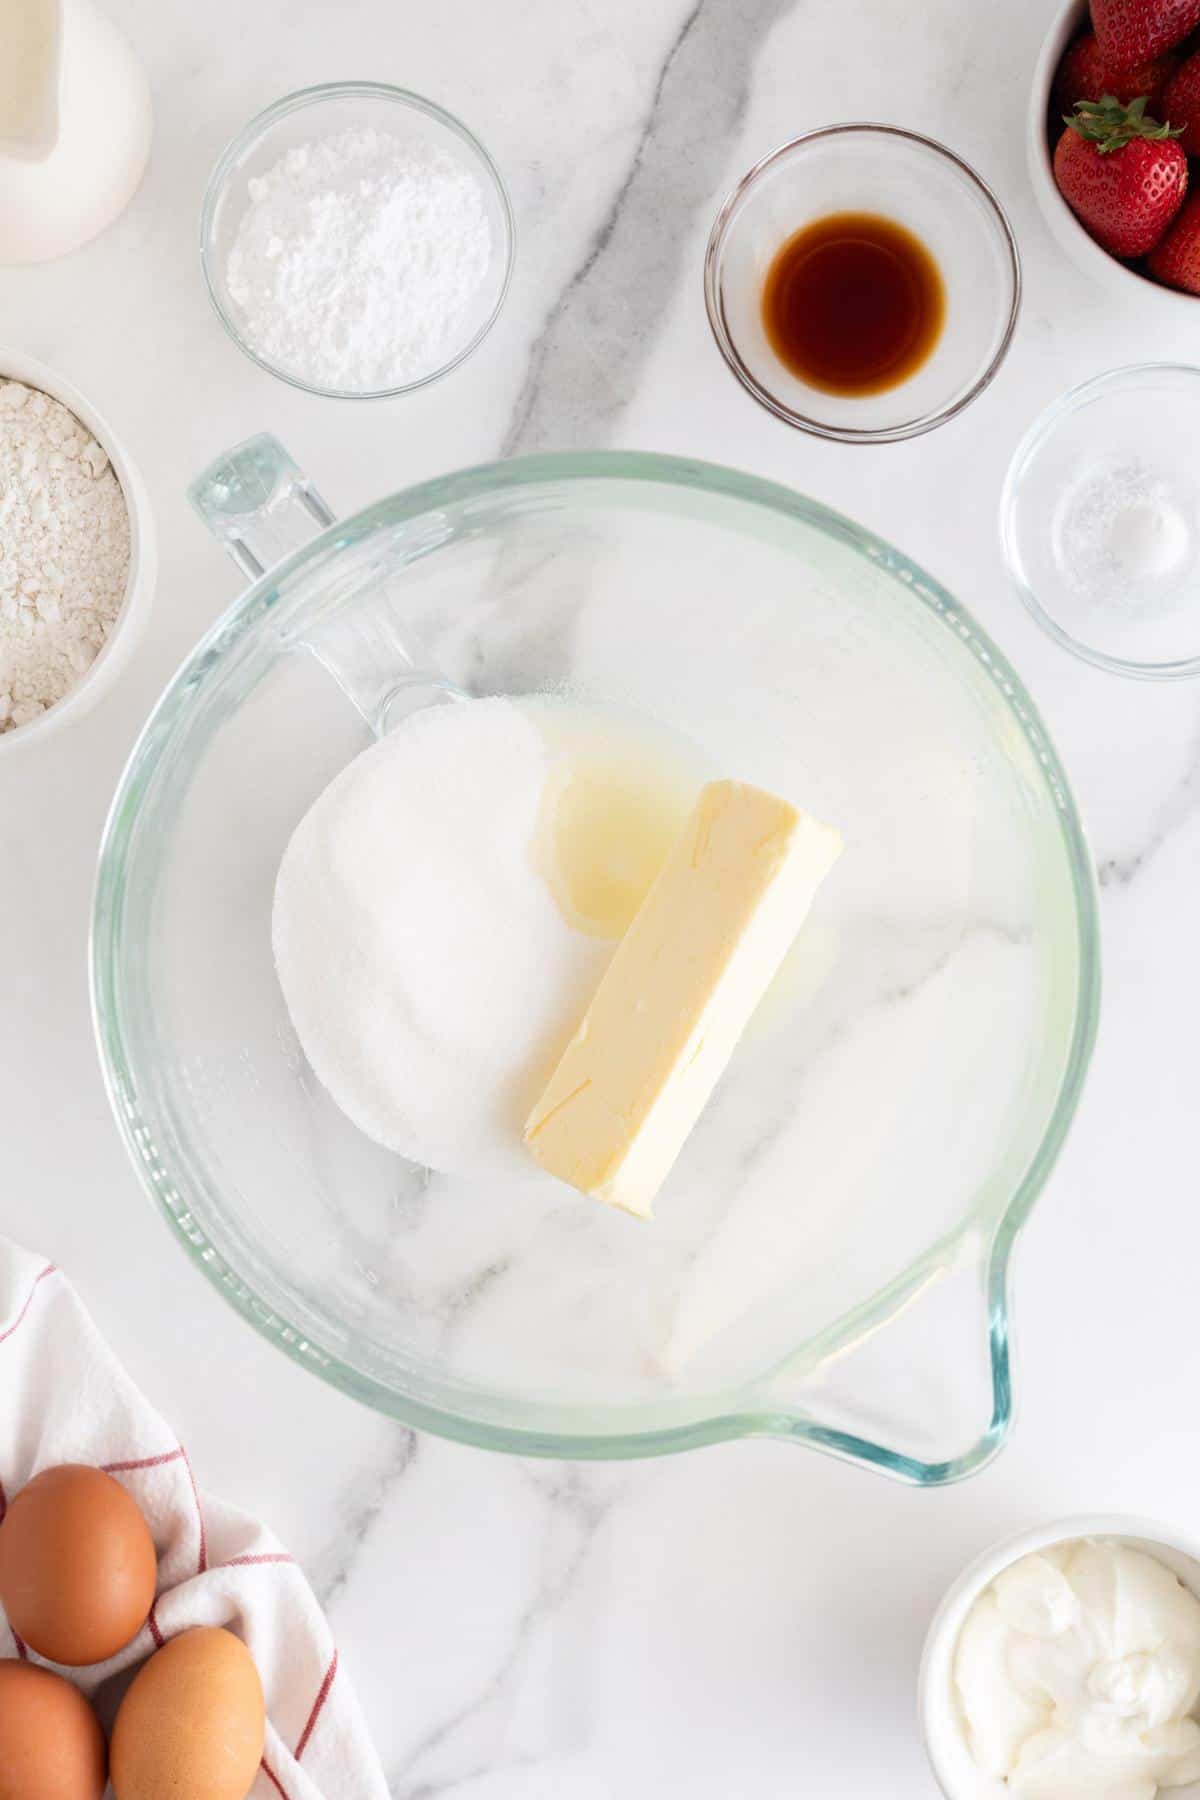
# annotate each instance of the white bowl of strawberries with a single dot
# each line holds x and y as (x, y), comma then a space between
(1116, 184)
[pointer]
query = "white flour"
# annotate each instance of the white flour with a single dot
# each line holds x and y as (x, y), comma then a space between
(64, 551)
(429, 973)
(358, 262)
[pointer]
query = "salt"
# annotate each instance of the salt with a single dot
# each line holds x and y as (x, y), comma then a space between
(1126, 532)
(359, 261)
(430, 975)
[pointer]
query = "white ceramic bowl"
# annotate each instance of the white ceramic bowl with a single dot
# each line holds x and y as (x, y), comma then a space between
(942, 1727)
(130, 622)
(1125, 283)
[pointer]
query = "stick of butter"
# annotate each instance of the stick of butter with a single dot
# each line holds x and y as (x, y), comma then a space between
(700, 954)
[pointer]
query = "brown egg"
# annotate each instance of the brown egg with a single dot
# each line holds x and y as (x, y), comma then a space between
(77, 1565)
(192, 1724)
(51, 1744)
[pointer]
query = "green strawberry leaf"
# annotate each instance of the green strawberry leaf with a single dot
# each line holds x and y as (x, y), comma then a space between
(1110, 126)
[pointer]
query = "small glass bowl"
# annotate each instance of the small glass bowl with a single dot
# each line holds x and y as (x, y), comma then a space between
(1100, 521)
(317, 112)
(913, 182)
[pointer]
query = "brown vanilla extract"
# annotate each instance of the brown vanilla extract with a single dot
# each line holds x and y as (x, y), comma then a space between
(853, 304)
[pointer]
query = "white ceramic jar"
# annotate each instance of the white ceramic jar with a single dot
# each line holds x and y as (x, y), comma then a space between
(75, 126)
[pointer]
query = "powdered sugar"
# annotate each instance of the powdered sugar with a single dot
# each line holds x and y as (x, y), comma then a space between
(359, 261)
(64, 551)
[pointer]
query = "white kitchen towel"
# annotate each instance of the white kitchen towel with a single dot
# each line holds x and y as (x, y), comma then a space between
(65, 1398)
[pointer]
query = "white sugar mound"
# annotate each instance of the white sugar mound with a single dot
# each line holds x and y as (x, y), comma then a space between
(359, 260)
(429, 973)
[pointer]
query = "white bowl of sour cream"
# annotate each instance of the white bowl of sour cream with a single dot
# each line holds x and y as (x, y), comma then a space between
(1064, 1664)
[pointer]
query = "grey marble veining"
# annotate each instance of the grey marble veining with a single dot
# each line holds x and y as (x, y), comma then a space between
(1176, 810)
(585, 364)
(455, 1752)
(374, 1483)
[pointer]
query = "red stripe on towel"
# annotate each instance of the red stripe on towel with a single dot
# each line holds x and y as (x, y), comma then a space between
(158, 1462)
(273, 1778)
(318, 1704)
(252, 1562)
(48, 1270)
(142, 1462)
(199, 1512)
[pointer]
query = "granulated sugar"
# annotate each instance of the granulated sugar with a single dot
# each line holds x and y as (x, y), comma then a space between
(429, 973)
(64, 551)
(359, 260)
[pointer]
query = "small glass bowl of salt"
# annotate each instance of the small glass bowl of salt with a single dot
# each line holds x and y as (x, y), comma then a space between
(1100, 521)
(356, 240)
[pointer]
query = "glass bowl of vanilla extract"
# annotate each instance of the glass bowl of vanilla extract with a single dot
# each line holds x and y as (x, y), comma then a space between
(863, 283)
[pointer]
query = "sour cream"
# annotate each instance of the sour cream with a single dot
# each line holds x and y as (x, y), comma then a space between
(1078, 1675)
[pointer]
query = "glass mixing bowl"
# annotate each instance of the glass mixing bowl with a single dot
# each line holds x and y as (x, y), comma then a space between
(830, 1259)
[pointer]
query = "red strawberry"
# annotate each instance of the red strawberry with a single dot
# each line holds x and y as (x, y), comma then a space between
(1083, 74)
(1180, 104)
(1176, 260)
(1121, 174)
(1133, 31)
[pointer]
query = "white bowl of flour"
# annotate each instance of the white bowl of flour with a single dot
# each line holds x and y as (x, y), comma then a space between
(356, 240)
(80, 555)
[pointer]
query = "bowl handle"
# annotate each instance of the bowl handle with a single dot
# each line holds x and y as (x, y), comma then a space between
(261, 506)
(258, 504)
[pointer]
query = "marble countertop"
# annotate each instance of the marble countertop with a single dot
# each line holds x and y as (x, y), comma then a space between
(748, 1619)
